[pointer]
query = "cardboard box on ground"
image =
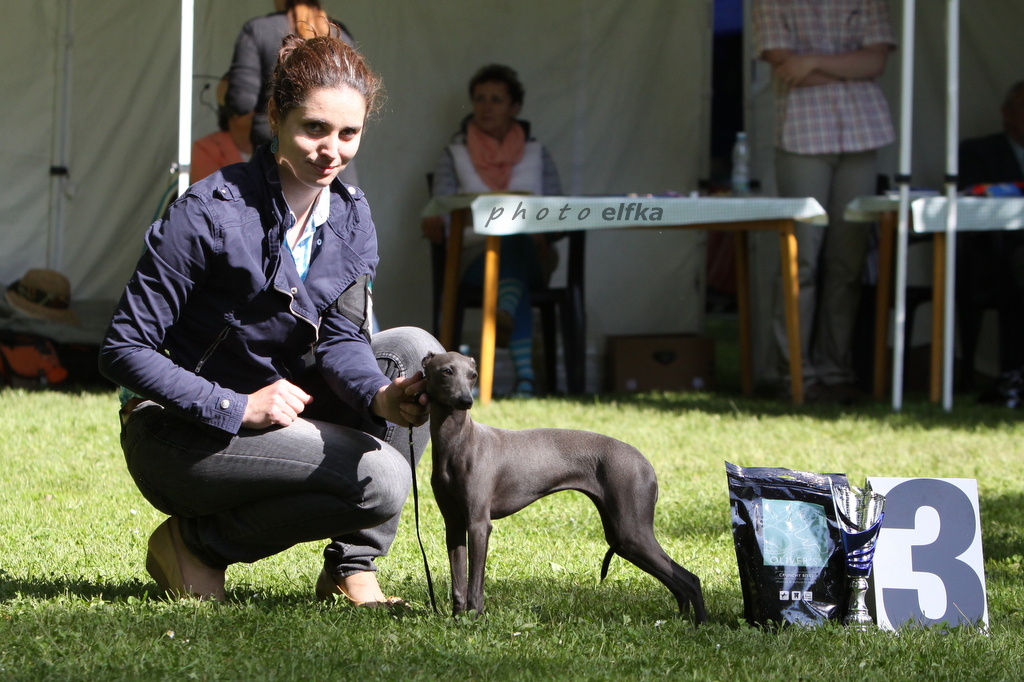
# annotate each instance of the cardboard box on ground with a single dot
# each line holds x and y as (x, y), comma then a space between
(683, 362)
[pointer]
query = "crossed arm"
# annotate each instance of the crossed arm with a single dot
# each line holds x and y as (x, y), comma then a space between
(805, 70)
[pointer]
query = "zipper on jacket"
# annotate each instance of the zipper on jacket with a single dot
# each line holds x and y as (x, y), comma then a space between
(213, 347)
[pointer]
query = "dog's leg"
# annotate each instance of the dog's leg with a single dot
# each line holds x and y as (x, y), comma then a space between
(626, 506)
(479, 534)
(642, 549)
(685, 586)
(455, 539)
(455, 536)
(688, 585)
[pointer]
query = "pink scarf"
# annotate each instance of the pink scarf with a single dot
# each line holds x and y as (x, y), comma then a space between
(494, 159)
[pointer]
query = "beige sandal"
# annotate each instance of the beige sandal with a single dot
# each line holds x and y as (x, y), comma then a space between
(167, 557)
(328, 590)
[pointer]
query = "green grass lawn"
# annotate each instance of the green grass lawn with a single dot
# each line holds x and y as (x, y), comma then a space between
(76, 602)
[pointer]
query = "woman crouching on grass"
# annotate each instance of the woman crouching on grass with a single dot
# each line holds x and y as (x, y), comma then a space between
(229, 424)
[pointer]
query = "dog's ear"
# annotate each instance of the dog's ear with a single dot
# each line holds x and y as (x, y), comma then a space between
(427, 359)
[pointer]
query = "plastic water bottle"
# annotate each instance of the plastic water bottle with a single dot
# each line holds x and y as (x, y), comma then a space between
(741, 166)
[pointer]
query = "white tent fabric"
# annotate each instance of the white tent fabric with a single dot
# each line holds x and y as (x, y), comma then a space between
(617, 90)
(27, 102)
(120, 123)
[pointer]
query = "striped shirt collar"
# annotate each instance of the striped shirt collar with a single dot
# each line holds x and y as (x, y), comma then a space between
(302, 252)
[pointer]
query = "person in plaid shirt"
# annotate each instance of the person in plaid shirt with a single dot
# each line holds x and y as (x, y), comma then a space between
(830, 118)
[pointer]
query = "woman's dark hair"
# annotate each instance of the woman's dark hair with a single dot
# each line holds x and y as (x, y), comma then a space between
(305, 65)
(499, 73)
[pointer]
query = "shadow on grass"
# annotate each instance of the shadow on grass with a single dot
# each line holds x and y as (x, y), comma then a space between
(628, 592)
(55, 586)
(627, 595)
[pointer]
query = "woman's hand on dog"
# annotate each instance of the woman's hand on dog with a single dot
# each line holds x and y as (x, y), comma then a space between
(403, 401)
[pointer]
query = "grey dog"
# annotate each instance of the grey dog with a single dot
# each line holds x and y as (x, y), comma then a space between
(482, 473)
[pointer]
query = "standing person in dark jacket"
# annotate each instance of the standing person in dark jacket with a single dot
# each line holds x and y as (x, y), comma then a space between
(257, 411)
(255, 55)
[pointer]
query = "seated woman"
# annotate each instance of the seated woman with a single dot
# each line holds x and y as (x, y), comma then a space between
(258, 411)
(493, 152)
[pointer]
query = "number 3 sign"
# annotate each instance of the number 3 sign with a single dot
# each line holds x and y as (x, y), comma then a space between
(928, 564)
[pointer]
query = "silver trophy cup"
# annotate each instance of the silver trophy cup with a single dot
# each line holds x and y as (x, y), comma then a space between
(860, 513)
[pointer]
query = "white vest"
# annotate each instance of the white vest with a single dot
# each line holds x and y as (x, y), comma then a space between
(527, 175)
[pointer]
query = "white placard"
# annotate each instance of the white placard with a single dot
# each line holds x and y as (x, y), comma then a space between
(928, 566)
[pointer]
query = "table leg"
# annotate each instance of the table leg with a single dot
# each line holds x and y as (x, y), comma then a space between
(574, 324)
(938, 315)
(490, 310)
(744, 312)
(450, 295)
(883, 297)
(791, 299)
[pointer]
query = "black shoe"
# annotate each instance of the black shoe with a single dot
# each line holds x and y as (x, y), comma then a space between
(816, 394)
(846, 394)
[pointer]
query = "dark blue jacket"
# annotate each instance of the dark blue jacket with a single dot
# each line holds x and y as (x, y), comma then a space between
(216, 310)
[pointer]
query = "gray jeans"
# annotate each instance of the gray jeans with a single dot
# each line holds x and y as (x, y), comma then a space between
(829, 260)
(331, 474)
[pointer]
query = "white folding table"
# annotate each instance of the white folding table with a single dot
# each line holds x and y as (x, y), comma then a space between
(928, 215)
(497, 215)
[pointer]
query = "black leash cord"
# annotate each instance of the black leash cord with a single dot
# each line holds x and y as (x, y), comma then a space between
(416, 510)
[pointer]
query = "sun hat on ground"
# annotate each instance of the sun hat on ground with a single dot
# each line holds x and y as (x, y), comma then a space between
(44, 295)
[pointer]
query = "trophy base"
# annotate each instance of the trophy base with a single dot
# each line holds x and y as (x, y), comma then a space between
(861, 622)
(858, 617)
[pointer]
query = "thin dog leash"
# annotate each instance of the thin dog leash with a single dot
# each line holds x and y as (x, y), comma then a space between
(416, 510)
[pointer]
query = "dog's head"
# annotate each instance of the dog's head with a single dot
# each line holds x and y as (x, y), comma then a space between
(450, 379)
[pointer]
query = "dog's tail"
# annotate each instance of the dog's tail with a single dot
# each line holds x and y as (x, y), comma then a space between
(607, 561)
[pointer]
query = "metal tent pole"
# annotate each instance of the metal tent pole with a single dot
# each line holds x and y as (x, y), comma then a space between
(952, 169)
(185, 95)
(59, 161)
(903, 180)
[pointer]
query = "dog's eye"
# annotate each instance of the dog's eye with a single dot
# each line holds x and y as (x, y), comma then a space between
(447, 371)
(472, 376)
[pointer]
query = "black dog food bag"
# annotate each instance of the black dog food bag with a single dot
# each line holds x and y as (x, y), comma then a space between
(788, 545)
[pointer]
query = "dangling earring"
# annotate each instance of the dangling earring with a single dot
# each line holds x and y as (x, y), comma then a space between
(273, 144)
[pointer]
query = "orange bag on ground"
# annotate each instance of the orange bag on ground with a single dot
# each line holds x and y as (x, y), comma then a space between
(30, 362)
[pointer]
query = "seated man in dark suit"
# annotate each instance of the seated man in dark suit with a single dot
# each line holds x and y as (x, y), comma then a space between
(990, 265)
(998, 157)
